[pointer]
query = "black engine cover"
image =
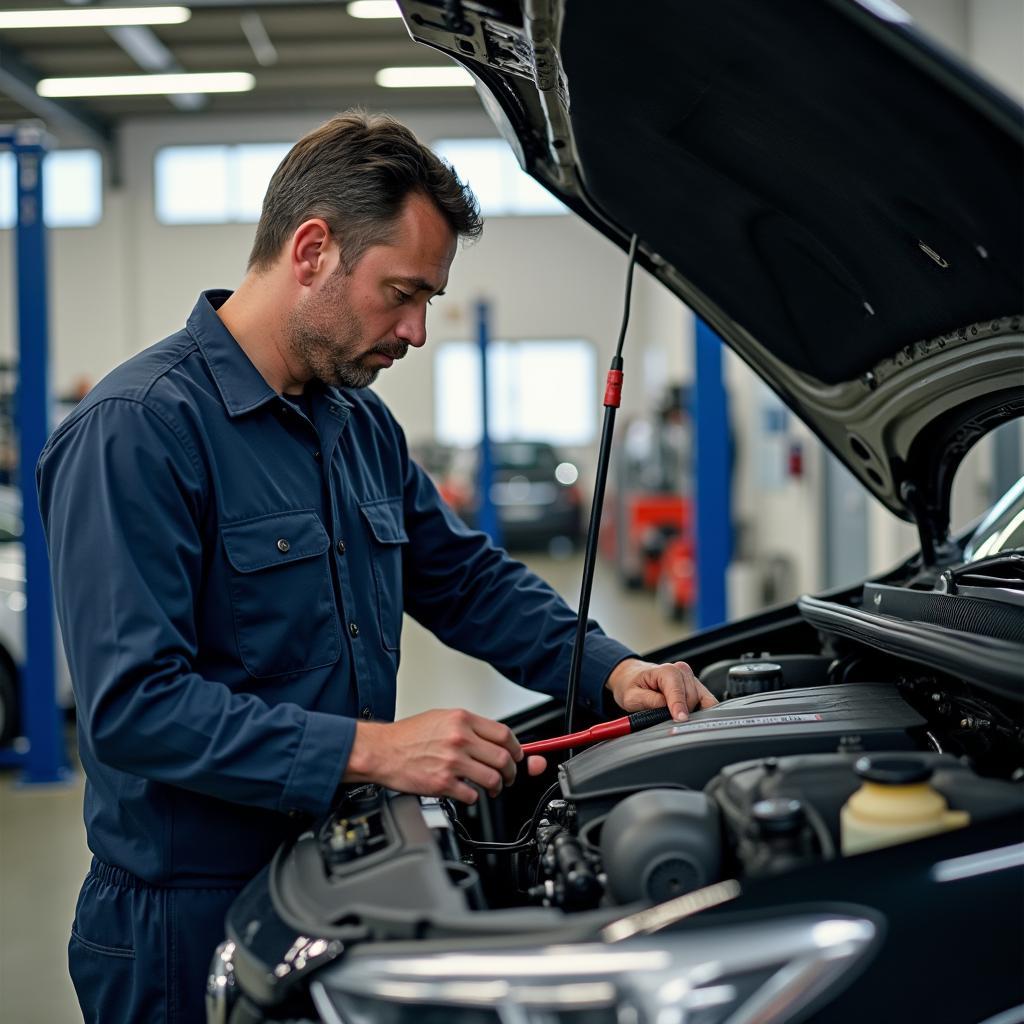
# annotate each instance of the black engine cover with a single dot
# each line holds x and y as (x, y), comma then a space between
(785, 722)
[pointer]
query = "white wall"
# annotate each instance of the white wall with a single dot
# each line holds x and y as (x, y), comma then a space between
(90, 283)
(778, 515)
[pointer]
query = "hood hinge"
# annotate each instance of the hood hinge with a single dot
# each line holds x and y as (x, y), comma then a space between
(937, 551)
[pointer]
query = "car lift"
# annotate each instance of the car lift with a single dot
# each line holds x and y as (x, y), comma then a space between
(713, 461)
(487, 514)
(41, 753)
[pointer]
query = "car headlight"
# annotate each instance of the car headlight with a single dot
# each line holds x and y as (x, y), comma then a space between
(221, 987)
(762, 971)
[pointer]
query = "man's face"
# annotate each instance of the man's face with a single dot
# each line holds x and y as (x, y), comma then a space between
(358, 322)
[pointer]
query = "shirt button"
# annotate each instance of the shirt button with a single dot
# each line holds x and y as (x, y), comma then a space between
(366, 712)
(341, 547)
(353, 629)
(317, 455)
(283, 546)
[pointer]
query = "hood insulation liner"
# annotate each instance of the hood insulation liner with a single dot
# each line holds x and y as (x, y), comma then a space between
(761, 170)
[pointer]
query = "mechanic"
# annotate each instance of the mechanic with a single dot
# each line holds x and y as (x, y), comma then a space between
(235, 529)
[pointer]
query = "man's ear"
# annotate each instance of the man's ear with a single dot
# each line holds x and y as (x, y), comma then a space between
(310, 250)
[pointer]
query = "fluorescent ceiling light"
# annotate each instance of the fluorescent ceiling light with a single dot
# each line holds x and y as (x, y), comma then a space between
(423, 78)
(374, 9)
(94, 17)
(146, 85)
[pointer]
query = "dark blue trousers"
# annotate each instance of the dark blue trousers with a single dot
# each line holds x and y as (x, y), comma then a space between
(140, 954)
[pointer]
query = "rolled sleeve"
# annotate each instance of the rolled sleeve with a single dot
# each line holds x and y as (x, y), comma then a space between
(318, 766)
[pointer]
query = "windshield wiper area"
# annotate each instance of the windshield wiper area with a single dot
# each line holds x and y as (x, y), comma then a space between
(999, 578)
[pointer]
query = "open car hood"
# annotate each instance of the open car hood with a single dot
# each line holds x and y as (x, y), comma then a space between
(838, 198)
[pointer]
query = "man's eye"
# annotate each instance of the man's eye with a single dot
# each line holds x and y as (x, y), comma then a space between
(401, 296)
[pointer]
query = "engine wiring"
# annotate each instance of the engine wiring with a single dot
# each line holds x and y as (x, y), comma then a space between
(523, 840)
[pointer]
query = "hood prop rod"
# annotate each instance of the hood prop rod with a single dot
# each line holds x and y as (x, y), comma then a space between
(612, 398)
(936, 551)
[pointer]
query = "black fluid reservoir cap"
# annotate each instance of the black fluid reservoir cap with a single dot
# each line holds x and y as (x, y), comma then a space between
(893, 769)
(754, 677)
(778, 816)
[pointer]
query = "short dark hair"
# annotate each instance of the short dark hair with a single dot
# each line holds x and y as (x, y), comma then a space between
(356, 172)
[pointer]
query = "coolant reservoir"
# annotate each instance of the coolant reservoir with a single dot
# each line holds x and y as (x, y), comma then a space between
(895, 805)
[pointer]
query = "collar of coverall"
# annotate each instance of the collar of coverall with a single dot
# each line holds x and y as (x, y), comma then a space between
(241, 386)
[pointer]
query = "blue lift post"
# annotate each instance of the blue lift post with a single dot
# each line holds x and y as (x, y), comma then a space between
(487, 517)
(44, 760)
(713, 458)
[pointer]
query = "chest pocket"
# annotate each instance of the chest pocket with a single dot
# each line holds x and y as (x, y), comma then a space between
(387, 535)
(281, 593)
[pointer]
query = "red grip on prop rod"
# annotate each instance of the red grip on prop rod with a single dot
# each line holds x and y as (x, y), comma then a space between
(603, 731)
(613, 389)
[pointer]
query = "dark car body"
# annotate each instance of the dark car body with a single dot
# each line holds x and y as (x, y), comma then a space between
(843, 203)
(389, 910)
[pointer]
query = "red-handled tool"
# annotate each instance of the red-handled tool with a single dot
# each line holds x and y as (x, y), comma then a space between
(604, 731)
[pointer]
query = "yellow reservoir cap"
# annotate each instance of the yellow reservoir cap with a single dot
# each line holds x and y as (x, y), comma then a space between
(896, 804)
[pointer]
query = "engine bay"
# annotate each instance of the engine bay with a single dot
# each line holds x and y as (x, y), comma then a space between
(765, 783)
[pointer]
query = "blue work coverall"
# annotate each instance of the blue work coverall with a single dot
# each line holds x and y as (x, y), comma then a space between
(230, 576)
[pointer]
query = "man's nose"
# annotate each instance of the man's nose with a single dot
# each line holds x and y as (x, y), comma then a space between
(412, 328)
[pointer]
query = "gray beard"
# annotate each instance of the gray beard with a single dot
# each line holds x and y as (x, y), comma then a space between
(330, 359)
(317, 353)
(352, 375)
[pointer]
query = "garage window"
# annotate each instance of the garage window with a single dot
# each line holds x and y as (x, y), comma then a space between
(214, 184)
(503, 188)
(72, 188)
(537, 391)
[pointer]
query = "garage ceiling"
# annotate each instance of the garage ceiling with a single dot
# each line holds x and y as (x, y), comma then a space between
(322, 59)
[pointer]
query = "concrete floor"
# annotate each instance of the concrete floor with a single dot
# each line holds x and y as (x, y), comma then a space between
(43, 856)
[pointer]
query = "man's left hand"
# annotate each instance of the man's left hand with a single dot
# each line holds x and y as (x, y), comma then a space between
(637, 685)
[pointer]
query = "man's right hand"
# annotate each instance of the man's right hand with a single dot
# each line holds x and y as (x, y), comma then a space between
(437, 753)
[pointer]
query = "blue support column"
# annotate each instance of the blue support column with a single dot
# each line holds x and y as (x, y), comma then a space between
(45, 760)
(713, 459)
(487, 516)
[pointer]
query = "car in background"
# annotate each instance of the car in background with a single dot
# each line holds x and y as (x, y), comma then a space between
(12, 620)
(434, 457)
(535, 492)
